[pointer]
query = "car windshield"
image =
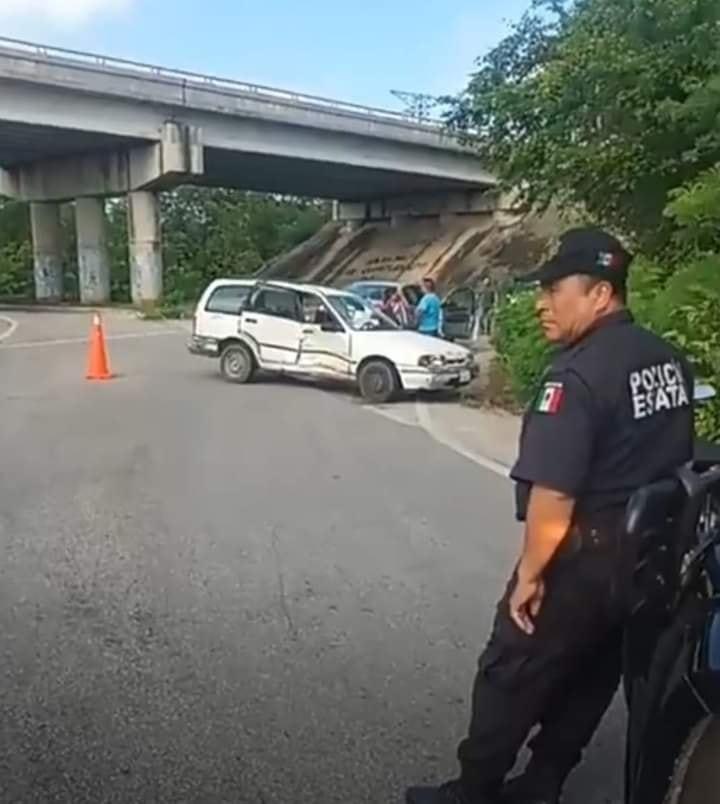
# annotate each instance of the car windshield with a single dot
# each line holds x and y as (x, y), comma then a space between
(371, 292)
(359, 315)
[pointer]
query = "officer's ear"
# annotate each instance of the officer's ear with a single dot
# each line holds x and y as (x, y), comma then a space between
(602, 290)
(605, 290)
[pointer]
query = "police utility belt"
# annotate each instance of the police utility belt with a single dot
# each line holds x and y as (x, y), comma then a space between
(591, 530)
(595, 532)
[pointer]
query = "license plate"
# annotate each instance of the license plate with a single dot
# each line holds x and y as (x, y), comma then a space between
(465, 376)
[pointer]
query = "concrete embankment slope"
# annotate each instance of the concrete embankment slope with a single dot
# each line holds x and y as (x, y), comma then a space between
(455, 249)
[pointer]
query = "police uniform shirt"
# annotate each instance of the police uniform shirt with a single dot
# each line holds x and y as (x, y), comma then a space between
(614, 412)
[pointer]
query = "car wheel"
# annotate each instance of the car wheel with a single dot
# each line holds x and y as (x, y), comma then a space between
(697, 774)
(237, 363)
(378, 381)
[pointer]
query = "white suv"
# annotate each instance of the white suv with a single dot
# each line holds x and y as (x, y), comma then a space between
(321, 332)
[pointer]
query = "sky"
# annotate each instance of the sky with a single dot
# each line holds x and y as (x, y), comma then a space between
(352, 51)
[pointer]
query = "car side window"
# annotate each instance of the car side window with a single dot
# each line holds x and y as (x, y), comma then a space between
(228, 299)
(277, 302)
(316, 311)
(311, 306)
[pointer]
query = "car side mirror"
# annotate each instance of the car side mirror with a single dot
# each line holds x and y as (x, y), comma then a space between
(330, 326)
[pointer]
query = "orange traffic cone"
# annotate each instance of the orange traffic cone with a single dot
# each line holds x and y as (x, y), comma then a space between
(98, 368)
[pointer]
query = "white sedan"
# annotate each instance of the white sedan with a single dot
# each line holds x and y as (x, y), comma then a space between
(307, 330)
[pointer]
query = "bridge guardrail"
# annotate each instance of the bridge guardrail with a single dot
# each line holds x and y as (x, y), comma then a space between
(94, 61)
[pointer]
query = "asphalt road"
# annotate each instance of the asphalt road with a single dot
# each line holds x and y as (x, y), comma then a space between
(212, 593)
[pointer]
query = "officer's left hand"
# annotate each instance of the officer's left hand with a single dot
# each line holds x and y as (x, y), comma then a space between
(526, 602)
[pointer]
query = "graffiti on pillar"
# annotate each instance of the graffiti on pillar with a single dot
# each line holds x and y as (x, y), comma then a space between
(89, 276)
(135, 281)
(48, 277)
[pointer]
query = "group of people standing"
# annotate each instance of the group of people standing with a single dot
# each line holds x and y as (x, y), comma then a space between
(425, 317)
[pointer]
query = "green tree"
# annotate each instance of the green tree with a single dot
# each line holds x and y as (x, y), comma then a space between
(14, 222)
(602, 105)
(695, 209)
(212, 233)
(15, 251)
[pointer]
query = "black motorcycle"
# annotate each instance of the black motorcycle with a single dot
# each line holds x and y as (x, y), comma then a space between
(672, 650)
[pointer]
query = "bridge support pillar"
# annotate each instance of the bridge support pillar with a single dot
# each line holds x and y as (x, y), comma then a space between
(146, 270)
(93, 258)
(47, 251)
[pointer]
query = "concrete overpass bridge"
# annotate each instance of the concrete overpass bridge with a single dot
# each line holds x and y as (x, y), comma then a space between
(82, 127)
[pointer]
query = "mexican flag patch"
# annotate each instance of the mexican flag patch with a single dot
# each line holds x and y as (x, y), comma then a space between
(550, 398)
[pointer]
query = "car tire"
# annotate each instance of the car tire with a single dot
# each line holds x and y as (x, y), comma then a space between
(237, 363)
(378, 381)
(697, 774)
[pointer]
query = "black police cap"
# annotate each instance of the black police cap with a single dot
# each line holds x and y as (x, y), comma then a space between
(587, 251)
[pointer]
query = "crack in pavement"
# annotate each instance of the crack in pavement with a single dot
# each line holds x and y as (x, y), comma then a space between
(280, 577)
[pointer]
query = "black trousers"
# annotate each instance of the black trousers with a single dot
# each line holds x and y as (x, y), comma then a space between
(562, 678)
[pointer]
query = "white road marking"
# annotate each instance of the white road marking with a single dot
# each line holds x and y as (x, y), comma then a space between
(392, 416)
(425, 422)
(12, 326)
(66, 341)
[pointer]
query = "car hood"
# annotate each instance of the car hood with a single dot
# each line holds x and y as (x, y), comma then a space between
(403, 345)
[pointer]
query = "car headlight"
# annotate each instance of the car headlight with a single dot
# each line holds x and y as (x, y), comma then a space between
(431, 361)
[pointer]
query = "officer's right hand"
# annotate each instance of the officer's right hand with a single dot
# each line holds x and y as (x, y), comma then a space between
(526, 602)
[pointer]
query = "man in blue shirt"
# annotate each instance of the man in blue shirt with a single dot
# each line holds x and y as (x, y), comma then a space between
(429, 310)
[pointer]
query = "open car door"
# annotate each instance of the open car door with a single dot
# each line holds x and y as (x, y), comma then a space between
(461, 314)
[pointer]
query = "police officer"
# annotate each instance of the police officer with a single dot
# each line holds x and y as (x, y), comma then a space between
(613, 413)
